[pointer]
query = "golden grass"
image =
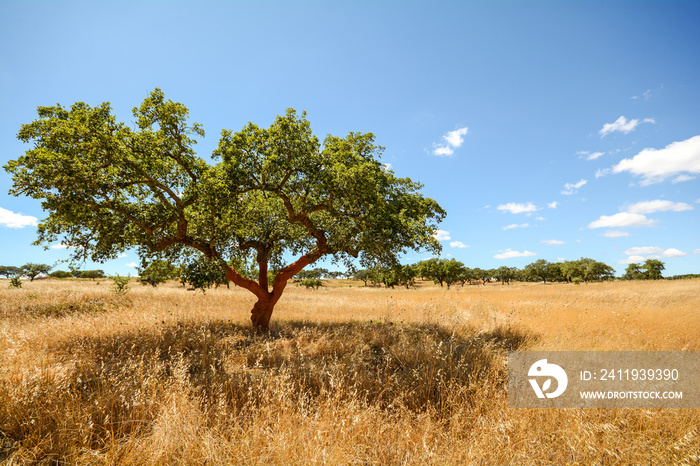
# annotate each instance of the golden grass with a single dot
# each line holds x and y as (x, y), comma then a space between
(346, 375)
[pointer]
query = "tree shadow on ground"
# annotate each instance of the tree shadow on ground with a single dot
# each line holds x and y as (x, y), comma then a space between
(382, 363)
(117, 385)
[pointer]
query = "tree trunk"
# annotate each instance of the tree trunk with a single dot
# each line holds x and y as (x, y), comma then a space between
(261, 313)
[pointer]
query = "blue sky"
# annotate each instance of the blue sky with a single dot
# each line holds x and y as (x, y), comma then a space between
(547, 130)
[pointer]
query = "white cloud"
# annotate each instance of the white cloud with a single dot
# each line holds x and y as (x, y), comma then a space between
(584, 154)
(387, 166)
(571, 188)
(649, 207)
(456, 138)
(646, 94)
(514, 208)
(442, 151)
(120, 256)
(13, 220)
(640, 254)
(516, 225)
(621, 124)
(623, 219)
(553, 205)
(632, 260)
(552, 242)
(673, 252)
(601, 172)
(678, 159)
(132, 264)
(453, 139)
(697, 251)
(458, 244)
(646, 250)
(615, 234)
(509, 254)
(442, 235)
(682, 178)
(62, 246)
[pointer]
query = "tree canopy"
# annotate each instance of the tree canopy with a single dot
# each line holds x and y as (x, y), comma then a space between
(270, 194)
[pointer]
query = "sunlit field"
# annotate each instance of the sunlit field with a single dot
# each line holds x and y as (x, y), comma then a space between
(347, 374)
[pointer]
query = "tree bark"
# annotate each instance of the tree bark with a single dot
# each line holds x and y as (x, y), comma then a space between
(261, 313)
(262, 310)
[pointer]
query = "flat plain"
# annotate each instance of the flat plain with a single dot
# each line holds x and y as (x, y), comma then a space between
(347, 374)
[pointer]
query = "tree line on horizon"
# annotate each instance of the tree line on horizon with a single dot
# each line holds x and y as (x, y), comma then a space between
(447, 272)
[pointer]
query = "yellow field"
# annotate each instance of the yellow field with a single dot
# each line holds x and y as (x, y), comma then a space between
(347, 375)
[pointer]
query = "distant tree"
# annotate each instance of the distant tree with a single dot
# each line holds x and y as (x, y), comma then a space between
(428, 269)
(159, 271)
(477, 273)
(594, 270)
(376, 274)
(539, 270)
(313, 274)
(452, 271)
(442, 271)
(652, 268)
(505, 274)
(634, 272)
(93, 274)
(271, 193)
(466, 276)
(60, 274)
(32, 270)
(314, 283)
(9, 271)
(554, 272)
(362, 275)
(572, 269)
(400, 275)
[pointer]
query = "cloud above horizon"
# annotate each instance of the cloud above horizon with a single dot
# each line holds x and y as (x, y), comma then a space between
(13, 220)
(680, 160)
(571, 188)
(516, 225)
(441, 235)
(453, 140)
(590, 156)
(615, 234)
(621, 220)
(658, 205)
(553, 242)
(622, 125)
(510, 254)
(641, 254)
(634, 215)
(515, 208)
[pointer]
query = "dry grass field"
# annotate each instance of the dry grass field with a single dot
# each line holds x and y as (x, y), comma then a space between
(346, 375)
